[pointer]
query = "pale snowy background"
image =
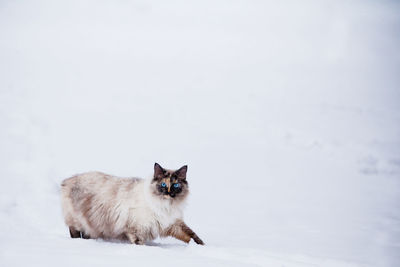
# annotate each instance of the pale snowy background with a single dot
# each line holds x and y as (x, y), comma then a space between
(287, 113)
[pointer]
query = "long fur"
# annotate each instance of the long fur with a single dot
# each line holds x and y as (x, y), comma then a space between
(105, 206)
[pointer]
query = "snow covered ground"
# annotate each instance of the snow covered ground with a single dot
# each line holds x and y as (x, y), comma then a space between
(287, 113)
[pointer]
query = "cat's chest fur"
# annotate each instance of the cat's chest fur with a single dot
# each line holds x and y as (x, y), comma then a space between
(153, 213)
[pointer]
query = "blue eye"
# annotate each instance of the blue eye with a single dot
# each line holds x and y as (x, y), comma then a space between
(163, 184)
(177, 185)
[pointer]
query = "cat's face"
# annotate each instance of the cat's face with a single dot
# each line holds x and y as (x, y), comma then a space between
(170, 184)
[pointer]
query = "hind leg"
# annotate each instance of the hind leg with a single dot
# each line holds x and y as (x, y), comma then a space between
(85, 236)
(74, 233)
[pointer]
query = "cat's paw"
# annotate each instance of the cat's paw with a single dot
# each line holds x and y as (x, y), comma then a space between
(139, 242)
(198, 240)
(134, 239)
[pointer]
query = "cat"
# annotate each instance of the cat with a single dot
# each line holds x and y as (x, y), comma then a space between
(98, 205)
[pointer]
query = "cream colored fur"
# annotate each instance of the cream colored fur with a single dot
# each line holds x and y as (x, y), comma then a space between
(102, 205)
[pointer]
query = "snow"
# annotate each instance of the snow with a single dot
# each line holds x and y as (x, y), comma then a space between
(287, 114)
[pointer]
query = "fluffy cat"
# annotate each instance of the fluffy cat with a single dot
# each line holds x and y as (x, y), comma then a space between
(98, 205)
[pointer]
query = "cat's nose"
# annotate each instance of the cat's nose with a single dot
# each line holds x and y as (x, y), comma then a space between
(172, 195)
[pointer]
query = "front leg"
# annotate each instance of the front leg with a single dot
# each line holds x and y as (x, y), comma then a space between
(192, 234)
(181, 231)
(134, 238)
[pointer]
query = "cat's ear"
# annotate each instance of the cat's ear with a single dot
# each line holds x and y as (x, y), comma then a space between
(158, 170)
(181, 173)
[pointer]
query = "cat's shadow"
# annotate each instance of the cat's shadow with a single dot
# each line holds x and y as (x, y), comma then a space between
(165, 245)
(148, 243)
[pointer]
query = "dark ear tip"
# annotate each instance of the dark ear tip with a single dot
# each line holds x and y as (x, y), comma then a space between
(184, 168)
(157, 166)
